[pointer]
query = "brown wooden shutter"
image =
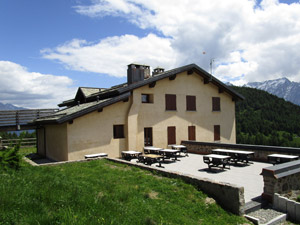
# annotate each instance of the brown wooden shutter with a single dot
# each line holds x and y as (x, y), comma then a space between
(217, 133)
(170, 102)
(171, 135)
(192, 133)
(216, 104)
(190, 103)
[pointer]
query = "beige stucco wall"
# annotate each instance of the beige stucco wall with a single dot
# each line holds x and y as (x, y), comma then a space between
(56, 142)
(155, 116)
(93, 133)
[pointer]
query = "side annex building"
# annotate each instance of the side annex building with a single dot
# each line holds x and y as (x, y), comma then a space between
(158, 109)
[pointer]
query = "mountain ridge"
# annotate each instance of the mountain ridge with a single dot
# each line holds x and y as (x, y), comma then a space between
(8, 106)
(282, 87)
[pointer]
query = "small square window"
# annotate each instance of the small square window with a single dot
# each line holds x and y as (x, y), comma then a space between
(147, 98)
(119, 131)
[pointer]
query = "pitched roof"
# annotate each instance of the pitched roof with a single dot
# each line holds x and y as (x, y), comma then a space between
(91, 99)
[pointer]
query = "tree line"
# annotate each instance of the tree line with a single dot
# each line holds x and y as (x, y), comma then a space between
(265, 119)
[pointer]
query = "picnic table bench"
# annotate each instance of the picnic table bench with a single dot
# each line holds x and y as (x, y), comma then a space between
(128, 155)
(280, 158)
(181, 148)
(235, 155)
(214, 160)
(149, 159)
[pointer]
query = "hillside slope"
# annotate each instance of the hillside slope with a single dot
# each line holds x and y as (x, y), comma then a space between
(266, 119)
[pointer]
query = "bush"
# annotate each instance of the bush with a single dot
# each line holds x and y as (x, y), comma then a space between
(10, 157)
(298, 198)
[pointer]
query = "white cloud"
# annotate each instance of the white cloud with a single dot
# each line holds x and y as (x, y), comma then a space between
(264, 38)
(27, 89)
(111, 55)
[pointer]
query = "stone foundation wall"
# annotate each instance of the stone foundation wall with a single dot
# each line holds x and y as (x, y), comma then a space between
(285, 205)
(260, 152)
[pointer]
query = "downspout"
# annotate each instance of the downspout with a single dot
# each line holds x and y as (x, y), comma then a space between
(132, 123)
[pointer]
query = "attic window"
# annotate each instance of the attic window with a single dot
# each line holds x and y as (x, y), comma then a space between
(147, 98)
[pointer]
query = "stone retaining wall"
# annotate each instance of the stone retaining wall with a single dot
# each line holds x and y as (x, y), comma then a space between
(230, 197)
(285, 205)
(261, 152)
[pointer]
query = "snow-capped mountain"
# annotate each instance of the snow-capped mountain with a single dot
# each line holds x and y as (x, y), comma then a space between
(283, 88)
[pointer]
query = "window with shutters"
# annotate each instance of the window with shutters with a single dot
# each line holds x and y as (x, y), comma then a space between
(190, 103)
(171, 135)
(192, 133)
(119, 131)
(216, 104)
(171, 102)
(217, 133)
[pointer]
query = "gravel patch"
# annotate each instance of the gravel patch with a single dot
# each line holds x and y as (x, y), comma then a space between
(265, 215)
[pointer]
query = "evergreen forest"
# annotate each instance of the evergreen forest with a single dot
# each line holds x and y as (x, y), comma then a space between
(265, 119)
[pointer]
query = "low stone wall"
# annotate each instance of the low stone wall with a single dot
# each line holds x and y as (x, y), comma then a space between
(281, 179)
(229, 196)
(261, 152)
(285, 205)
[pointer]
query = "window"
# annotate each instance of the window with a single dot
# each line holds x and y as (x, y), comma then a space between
(147, 98)
(171, 102)
(148, 136)
(190, 103)
(119, 131)
(217, 133)
(171, 135)
(192, 133)
(216, 106)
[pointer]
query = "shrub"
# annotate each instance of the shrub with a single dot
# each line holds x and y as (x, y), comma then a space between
(298, 198)
(10, 157)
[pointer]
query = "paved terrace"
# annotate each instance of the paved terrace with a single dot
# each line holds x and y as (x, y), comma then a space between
(247, 176)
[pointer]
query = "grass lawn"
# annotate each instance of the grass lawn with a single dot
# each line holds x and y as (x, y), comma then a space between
(102, 192)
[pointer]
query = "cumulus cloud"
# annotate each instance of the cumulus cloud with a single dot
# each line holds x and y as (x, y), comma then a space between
(27, 89)
(112, 54)
(249, 42)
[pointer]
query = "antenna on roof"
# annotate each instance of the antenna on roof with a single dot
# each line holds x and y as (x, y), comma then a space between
(211, 68)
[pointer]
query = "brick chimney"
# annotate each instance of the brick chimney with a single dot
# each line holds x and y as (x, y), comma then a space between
(137, 72)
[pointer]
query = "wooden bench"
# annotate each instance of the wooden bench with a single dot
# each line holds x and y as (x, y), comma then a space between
(98, 155)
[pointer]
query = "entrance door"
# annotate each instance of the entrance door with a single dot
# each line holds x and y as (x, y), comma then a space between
(171, 135)
(148, 136)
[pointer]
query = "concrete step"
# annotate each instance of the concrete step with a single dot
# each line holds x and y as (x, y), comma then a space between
(254, 204)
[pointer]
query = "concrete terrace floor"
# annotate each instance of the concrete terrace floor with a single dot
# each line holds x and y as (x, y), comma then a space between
(247, 176)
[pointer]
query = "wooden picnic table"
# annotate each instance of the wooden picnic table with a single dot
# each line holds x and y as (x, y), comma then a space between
(128, 155)
(169, 153)
(149, 159)
(236, 155)
(214, 160)
(181, 148)
(151, 150)
(280, 158)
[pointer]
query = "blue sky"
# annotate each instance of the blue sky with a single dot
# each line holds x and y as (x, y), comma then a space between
(49, 48)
